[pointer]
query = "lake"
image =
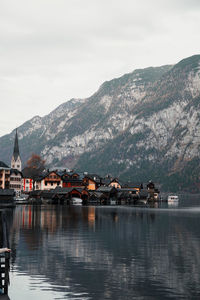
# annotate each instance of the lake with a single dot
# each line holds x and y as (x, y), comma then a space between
(102, 252)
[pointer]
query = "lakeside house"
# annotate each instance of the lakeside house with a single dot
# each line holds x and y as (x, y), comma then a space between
(50, 180)
(4, 176)
(92, 181)
(115, 183)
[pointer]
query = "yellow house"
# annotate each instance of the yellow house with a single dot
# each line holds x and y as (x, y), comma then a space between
(90, 183)
(115, 182)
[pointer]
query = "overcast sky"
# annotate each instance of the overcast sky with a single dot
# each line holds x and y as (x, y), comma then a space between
(55, 50)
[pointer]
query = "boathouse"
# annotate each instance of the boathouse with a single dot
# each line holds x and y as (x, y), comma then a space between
(109, 194)
(7, 198)
(70, 192)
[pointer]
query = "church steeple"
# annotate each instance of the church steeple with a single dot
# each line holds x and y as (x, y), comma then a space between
(16, 160)
(16, 147)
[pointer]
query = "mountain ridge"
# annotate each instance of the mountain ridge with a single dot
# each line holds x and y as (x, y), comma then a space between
(143, 125)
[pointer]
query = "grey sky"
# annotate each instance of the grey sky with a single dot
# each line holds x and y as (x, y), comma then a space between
(55, 50)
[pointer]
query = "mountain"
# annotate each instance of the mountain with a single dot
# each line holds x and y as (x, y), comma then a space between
(144, 125)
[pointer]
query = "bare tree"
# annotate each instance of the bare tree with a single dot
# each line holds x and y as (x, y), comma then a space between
(34, 167)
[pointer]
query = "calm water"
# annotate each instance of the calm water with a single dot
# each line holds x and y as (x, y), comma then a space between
(105, 252)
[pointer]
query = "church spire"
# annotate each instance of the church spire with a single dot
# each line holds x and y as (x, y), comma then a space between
(16, 147)
(16, 160)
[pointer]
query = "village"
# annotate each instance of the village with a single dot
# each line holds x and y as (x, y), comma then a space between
(62, 186)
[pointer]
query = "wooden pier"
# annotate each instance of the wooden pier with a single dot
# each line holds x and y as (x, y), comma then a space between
(4, 272)
(4, 258)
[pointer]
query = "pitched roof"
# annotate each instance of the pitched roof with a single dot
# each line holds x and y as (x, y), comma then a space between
(96, 178)
(67, 190)
(64, 190)
(106, 181)
(95, 194)
(132, 184)
(106, 189)
(115, 180)
(3, 165)
(16, 172)
(127, 190)
(47, 173)
(48, 194)
(7, 192)
(35, 193)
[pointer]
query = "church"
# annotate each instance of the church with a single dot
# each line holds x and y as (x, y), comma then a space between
(16, 166)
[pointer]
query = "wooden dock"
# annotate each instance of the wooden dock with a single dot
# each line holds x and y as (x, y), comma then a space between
(4, 272)
(4, 258)
(4, 297)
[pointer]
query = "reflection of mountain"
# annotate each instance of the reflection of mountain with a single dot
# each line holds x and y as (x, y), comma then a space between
(111, 253)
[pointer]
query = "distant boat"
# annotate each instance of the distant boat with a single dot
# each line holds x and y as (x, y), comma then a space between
(141, 202)
(21, 200)
(173, 204)
(172, 198)
(112, 202)
(76, 201)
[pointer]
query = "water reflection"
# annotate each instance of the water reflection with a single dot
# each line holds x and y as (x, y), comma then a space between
(105, 252)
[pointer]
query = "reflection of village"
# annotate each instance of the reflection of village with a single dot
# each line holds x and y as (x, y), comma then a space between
(60, 185)
(127, 245)
(30, 217)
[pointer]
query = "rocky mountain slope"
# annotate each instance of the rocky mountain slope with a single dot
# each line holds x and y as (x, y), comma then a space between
(143, 125)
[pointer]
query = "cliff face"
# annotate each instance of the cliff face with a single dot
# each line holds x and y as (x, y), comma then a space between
(143, 125)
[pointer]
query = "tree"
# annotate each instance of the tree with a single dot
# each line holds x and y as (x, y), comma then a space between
(34, 167)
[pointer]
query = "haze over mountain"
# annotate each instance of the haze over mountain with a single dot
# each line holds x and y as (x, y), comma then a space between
(144, 125)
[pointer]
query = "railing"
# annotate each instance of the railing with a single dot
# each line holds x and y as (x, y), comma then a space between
(4, 258)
